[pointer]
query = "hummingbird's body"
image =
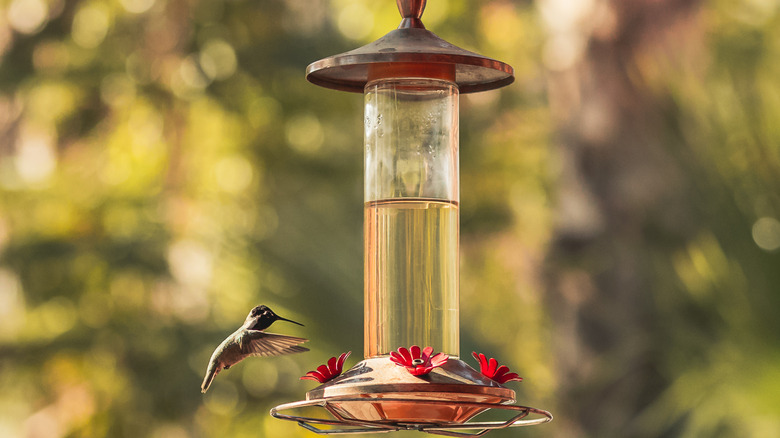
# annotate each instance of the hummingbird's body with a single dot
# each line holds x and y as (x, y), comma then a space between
(251, 340)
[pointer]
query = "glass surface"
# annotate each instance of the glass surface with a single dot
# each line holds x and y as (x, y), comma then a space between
(411, 138)
(411, 216)
(411, 275)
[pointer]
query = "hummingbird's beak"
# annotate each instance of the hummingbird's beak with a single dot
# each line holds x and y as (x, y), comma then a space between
(289, 320)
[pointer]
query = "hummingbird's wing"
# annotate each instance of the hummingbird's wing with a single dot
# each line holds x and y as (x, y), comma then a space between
(258, 343)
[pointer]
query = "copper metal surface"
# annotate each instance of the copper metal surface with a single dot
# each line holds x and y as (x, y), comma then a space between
(525, 416)
(411, 11)
(379, 375)
(376, 395)
(411, 43)
(377, 383)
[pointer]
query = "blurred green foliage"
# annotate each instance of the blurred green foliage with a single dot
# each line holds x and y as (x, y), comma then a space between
(164, 167)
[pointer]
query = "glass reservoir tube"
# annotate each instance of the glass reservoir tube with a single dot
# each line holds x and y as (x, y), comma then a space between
(411, 215)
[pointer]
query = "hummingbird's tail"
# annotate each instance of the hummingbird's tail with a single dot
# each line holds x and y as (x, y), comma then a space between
(212, 371)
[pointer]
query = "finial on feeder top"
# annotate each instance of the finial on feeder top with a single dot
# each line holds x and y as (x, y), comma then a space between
(411, 11)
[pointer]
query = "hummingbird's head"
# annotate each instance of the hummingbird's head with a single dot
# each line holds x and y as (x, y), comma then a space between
(261, 311)
(264, 316)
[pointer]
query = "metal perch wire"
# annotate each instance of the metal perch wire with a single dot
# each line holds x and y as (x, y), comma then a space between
(447, 429)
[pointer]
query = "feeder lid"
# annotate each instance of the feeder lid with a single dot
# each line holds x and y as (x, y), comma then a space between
(410, 44)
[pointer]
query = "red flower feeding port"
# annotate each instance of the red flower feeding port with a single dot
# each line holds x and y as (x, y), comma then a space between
(491, 370)
(411, 80)
(330, 371)
(418, 363)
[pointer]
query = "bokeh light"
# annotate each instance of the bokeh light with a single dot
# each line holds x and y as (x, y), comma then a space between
(218, 60)
(27, 16)
(90, 25)
(355, 21)
(766, 233)
(137, 6)
(35, 158)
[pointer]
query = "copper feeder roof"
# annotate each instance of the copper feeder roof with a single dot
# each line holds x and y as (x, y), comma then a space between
(411, 43)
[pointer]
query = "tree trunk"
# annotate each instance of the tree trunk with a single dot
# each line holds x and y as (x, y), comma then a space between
(620, 199)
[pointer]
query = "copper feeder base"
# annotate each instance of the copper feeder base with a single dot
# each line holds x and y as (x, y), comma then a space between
(378, 396)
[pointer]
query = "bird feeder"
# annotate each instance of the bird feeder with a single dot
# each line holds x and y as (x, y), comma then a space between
(411, 80)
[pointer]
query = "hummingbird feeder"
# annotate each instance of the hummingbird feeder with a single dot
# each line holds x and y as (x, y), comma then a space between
(411, 80)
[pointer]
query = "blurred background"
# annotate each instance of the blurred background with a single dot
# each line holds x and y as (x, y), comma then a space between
(164, 167)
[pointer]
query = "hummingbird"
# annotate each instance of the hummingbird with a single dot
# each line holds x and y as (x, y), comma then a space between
(251, 340)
